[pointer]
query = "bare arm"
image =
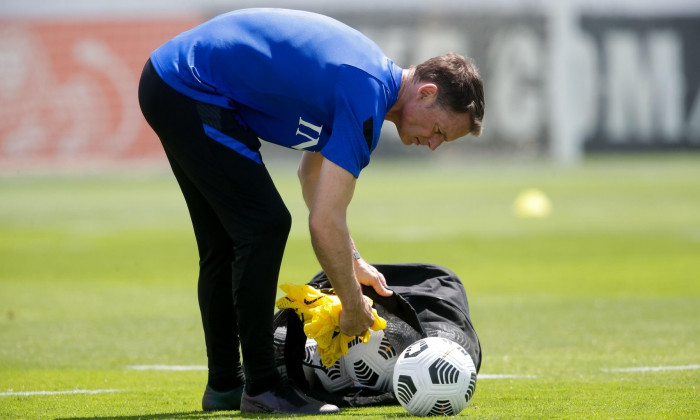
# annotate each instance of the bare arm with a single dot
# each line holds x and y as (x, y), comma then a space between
(308, 172)
(327, 189)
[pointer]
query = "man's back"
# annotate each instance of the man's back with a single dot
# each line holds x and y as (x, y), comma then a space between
(284, 71)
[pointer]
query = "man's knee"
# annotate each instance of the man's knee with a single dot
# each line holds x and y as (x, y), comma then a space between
(277, 222)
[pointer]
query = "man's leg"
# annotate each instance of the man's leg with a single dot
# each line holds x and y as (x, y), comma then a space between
(251, 212)
(174, 118)
(233, 202)
(214, 287)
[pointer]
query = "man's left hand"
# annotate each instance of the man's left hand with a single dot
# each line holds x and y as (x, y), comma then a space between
(368, 275)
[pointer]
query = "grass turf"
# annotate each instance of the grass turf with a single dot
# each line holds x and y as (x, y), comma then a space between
(97, 274)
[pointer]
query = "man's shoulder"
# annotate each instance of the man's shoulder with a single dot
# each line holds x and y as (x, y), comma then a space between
(376, 85)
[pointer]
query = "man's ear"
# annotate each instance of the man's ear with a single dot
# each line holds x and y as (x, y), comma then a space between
(427, 91)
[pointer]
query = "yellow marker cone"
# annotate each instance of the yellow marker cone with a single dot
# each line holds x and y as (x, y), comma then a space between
(532, 204)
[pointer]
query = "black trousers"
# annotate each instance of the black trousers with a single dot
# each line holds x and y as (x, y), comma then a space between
(241, 225)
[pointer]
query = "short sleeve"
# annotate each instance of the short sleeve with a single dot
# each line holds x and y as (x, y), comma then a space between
(360, 107)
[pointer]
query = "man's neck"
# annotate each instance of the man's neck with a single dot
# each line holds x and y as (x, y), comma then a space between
(406, 82)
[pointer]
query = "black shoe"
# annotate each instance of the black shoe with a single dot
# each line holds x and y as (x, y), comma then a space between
(219, 401)
(286, 399)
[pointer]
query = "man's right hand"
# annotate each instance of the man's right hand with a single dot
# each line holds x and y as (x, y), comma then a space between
(356, 318)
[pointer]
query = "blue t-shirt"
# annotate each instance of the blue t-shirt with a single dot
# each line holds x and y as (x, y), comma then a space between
(298, 79)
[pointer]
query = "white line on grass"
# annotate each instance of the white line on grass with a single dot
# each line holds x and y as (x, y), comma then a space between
(74, 391)
(652, 368)
(166, 367)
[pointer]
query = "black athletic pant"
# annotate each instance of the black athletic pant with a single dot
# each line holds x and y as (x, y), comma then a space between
(241, 226)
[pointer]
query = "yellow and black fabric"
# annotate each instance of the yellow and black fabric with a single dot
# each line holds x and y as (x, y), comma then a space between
(319, 310)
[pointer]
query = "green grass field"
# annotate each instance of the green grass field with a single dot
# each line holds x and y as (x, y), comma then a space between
(97, 274)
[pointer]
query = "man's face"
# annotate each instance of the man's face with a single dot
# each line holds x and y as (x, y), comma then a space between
(425, 123)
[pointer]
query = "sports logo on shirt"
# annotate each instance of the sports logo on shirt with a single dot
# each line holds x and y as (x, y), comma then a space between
(310, 131)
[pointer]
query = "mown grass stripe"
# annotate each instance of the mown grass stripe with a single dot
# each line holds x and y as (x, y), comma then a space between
(197, 367)
(166, 367)
(504, 376)
(73, 391)
(652, 368)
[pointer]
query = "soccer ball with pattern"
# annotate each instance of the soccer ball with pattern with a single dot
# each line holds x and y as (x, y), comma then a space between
(332, 379)
(371, 364)
(434, 377)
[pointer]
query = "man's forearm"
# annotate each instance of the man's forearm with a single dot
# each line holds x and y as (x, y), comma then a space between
(332, 244)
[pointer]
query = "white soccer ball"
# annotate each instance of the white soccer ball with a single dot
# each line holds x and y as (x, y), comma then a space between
(434, 377)
(332, 379)
(371, 364)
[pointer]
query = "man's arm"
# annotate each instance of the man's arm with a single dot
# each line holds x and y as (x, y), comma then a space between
(309, 170)
(327, 189)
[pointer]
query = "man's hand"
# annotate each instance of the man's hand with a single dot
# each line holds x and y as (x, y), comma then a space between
(368, 275)
(356, 317)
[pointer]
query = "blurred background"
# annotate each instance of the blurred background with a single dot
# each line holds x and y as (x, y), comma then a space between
(564, 79)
